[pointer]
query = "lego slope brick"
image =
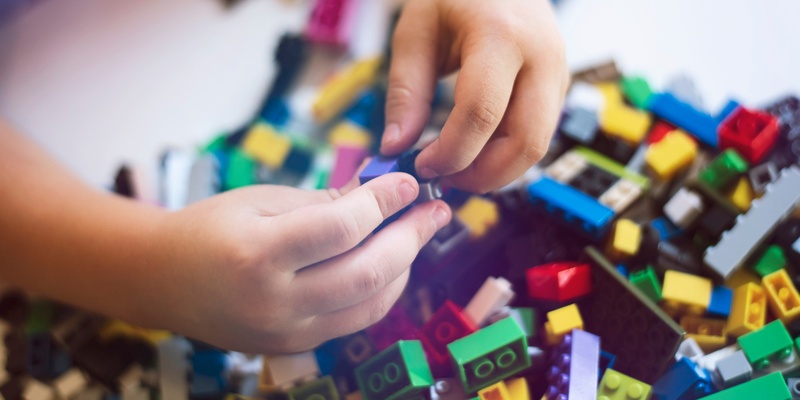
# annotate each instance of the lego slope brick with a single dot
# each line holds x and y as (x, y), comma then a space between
(771, 387)
(642, 336)
(560, 281)
(739, 243)
(399, 372)
(573, 369)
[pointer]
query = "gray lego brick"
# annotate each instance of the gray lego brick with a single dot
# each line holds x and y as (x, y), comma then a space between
(734, 369)
(737, 244)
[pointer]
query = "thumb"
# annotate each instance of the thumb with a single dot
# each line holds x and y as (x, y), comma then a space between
(412, 76)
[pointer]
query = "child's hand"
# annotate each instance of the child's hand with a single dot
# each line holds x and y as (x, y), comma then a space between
(507, 98)
(277, 269)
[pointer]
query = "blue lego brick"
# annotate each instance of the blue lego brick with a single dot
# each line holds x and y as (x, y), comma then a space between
(606, 361)
(623, 270)
(665, 228)
(209, 372)
(379, 165)
(326, 356)
(575, 206)
(683, 115)
(574, 365)
(275, 112)
(720, 304)
(685, 380)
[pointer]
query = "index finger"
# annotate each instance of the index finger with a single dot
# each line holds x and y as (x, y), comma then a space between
(490, 65)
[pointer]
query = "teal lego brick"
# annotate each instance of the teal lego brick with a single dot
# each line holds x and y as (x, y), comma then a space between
(647, 282)
(490, 354)
(399, 372)
(768, 387)
(318, 389)
(772, 341)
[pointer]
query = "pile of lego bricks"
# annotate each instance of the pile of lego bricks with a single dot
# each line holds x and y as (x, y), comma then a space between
(653, 253)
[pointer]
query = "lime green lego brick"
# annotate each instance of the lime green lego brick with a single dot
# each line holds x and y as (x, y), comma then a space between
(772, 260)
(40, 318)
(618, 386)
(723, 169)
(319, 389)
(611, 166)
(636, 90)
(241, 170)
(647, 282)
(767, 387)
(490, 354)
(771, 341)
(399, 372)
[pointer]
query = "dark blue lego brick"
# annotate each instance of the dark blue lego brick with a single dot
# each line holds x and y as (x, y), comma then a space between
(379, 165)
(210, 368)
(575, 206)
(574, 367)
(720, 304)
(685, 380)
(665, 228)
(701, 125)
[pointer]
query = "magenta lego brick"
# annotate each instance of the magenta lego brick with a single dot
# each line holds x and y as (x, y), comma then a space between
(574, 364)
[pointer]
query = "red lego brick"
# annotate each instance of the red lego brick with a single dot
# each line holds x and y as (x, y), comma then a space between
(658, 131)
(751, 133)
(448, 324)
(561, 281)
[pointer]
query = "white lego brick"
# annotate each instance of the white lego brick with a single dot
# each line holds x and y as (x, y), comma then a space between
(35, 390)
(621, 195)
(175, 172)
(739, 243)
(245, 364)
(566, 167)
(204, 179)
(70, 383)
(174, 365)
(493, 295)
(689, 349)
(585, 95)
(796, 245)
(709, 361)
(291, 368)
(684, 207)
(448, 389)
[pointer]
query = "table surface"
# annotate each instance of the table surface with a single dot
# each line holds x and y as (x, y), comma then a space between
(98, 82)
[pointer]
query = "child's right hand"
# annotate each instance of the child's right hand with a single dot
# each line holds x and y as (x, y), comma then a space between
(276, 269)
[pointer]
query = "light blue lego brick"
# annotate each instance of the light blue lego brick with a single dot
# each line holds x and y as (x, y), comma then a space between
(576, 206)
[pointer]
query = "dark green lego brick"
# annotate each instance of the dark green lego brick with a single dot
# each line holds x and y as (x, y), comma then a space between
(490, 354)
(767, 387)
(399, 372)
(630, 326)
(723, 170)
(241, 170)
(771, 341)
(319, 389)
(636, 90)
(772, 260)
(647, 282)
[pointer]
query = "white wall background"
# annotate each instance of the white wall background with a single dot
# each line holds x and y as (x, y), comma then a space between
(97, 82)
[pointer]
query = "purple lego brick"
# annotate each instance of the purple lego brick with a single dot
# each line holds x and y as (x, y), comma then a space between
(379, 165)
(348, 158)
(574, 365)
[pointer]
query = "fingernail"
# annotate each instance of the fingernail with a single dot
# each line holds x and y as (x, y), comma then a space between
(391, 135)
(426, 173)
(440, 217)
(407, 192)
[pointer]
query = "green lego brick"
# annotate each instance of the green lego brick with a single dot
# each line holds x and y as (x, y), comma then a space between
(490, 354)
(767, 387)
(40, 318)
(319, 389)
(218, 143)
(528, 316)
(636, 89)
(772, 260)
(241, 170)
(647, 282)
(399, 372)
(723, 169)
(611, 166)
(772, 340)
(618, 386)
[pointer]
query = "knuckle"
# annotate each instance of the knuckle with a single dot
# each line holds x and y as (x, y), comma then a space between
(531, 150)
(400, 94)
(484, 115)
(371, 279)
(347, 231)
(378, 308)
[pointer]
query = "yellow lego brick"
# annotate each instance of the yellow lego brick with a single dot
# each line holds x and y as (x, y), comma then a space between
(741, 195)
(625, 239)
(341, 90)
(267, 146)
(348, 134)
(742, 276)
(518, 389)
(710, 334)
(673, 153)
(498, 391)
(560, 322)
(625, 123)
(748, 311)
(479, 215)
(611, 93)
(784, 301)
(685, 294)
(116, 328)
